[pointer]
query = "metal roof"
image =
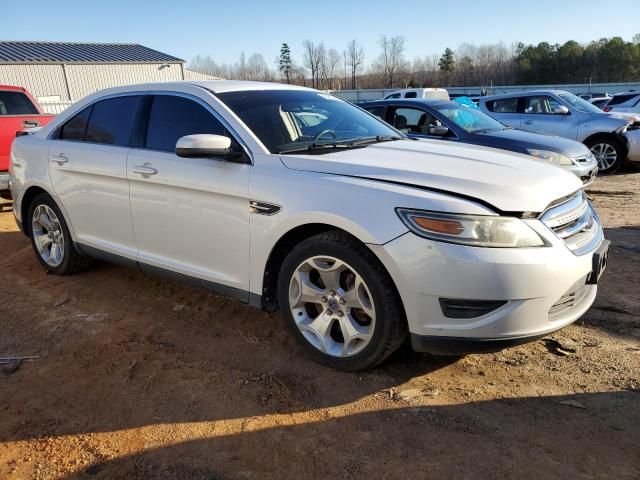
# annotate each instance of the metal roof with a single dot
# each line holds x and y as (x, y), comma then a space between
(72, 52)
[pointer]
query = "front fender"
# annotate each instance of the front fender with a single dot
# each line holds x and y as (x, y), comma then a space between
(364, 208)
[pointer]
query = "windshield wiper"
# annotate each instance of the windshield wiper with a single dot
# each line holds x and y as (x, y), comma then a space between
(345, 144)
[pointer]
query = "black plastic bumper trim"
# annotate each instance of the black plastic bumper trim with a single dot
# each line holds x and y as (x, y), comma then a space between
(436, 345)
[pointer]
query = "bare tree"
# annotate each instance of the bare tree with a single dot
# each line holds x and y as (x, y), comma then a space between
(257, 69)
(391, 59)
(314, 56)
(331, 61)
(355, 52)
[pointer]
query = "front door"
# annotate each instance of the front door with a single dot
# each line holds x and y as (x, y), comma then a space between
(541, 114)
(190, 215)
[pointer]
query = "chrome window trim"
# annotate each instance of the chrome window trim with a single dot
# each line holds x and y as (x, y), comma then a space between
(143, 93)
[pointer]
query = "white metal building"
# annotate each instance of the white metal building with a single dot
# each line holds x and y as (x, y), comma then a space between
(60, 73)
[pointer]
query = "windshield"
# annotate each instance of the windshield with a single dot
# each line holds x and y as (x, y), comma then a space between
(578, 103)
(286, 120)
(469, 119)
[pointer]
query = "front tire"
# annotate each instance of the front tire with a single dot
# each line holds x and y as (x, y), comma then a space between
(609, 152)
(51, 240)
(340, 303)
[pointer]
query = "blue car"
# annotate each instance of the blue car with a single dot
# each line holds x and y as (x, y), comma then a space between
(452, 122)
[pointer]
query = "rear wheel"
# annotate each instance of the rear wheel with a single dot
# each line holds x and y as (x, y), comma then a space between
(51, 239)
(609, 153)
(340, 303)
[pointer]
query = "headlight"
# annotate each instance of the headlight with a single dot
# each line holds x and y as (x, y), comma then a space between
(549, 156)
(473, 230)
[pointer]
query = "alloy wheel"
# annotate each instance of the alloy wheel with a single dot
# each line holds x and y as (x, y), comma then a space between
(48, 235)
(606, 155)
(332, 306)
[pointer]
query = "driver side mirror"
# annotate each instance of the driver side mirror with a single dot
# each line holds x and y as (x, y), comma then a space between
(438, 130)
(207, 145)
(561, 110)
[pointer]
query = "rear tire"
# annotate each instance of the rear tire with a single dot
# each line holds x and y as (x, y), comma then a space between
(51, 240)
(351, 324)
(609, 152)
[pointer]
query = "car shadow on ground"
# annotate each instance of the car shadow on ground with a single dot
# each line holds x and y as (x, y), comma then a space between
(615, 308)
(576, 436)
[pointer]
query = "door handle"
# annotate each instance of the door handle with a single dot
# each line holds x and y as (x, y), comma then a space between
(60, 159)
(527, 122)
(144, 170)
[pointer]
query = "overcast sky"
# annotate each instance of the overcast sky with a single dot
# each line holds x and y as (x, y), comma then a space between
(224, 29)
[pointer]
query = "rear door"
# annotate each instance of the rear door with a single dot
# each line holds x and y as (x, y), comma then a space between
(88, 169)
(504, 110)
(190, 215)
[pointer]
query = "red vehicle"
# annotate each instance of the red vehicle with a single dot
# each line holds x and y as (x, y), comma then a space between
(18, 111)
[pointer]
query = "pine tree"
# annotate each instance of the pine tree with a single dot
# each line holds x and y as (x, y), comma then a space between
(285, 62)
(447, 64)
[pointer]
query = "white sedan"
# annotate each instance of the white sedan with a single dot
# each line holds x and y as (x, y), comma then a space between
(287, 198)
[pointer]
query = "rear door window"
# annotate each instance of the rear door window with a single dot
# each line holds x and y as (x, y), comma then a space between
(172, 117)
(16, 103)
(504, 105)
(111, 120)
(411, 95)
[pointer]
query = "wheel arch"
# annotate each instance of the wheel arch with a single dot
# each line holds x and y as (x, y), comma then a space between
(607, 136)
(25, 202)
(269, 300)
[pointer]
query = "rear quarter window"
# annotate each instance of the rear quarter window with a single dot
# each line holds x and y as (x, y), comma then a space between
(16, 103)
(75, 128)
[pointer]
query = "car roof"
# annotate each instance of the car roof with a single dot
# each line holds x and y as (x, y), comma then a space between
(430, 102)
(523, 93)
(12, 88)
(216, 86)
(220, 86)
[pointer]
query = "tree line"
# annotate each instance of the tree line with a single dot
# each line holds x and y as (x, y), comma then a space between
(327, 68)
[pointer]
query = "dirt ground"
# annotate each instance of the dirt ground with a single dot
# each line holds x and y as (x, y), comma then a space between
(142, 378)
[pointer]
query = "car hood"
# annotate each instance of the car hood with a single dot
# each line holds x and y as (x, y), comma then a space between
(540, 141)
(507, 181)
(630, 116)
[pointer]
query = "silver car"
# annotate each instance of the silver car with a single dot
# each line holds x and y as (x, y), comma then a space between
(561, 113)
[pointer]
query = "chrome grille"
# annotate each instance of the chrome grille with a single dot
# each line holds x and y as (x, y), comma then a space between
(575, 222)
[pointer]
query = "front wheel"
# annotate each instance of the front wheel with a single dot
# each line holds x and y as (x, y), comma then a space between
(609, 153)
(340, 303)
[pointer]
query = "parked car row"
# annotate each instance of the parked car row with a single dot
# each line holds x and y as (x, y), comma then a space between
(453, 122)
(290, 199)
(610, 137)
